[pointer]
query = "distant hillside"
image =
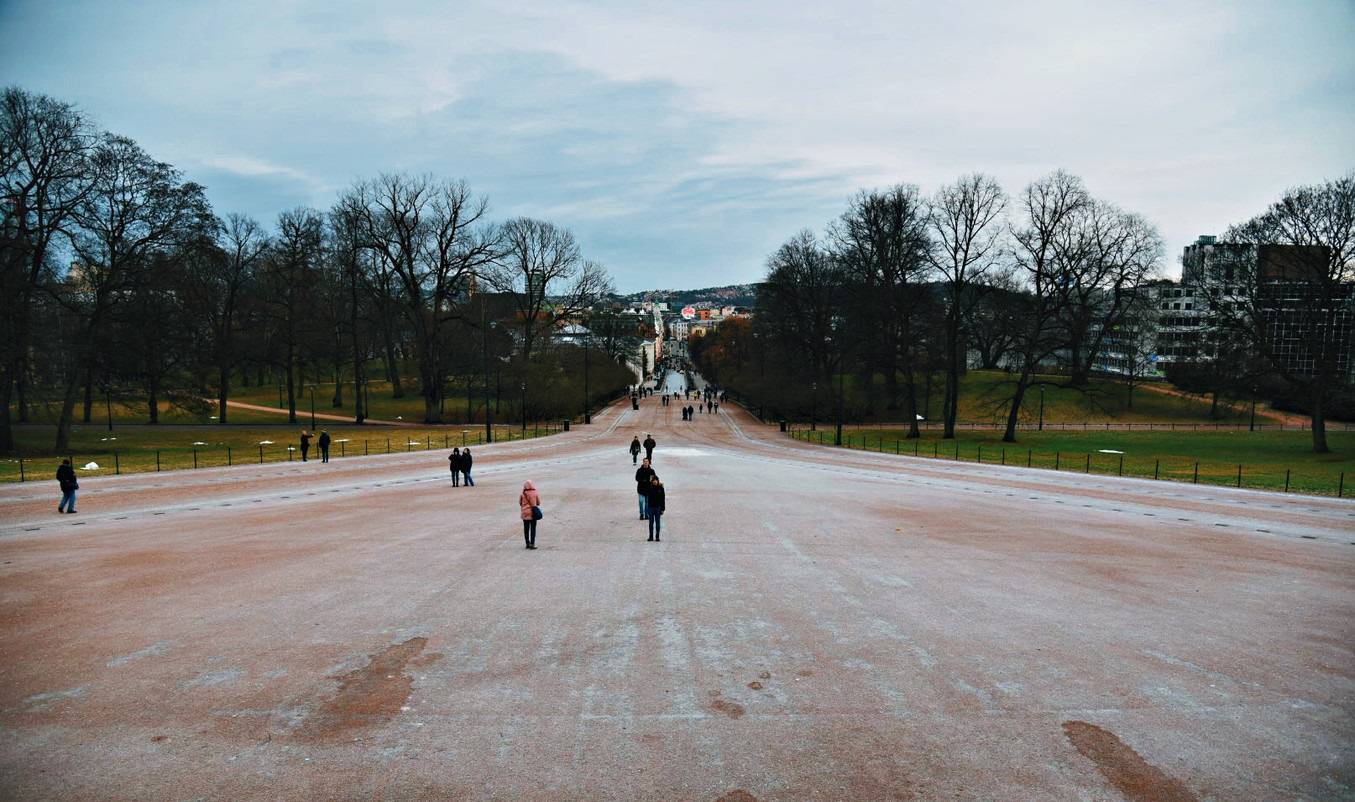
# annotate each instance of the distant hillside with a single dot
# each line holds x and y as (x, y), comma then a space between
(729, 295)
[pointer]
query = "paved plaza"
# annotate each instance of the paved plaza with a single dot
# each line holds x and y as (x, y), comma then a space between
(816, 625)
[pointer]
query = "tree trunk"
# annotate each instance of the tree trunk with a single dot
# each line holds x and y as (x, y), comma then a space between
(89, 394)
(1320, 421)
(1214, 405)
(291, 386)
(63, 423)
(910, 404)
(223, 390)
(6, 426)
(337, 401)
(153, 391)
(1013, 414)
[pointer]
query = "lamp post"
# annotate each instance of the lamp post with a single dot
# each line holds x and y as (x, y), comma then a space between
(524, 408)
(108, 404)
(312, 407)
(587, 343)
(813, 406)
(1042, 407)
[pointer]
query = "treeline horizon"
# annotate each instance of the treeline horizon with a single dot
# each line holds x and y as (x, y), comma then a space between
(902, 287)
(116, 275)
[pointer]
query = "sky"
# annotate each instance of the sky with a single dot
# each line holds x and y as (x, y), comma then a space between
(683, 142)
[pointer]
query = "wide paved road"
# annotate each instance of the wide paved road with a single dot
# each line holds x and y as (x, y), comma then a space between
(816, 625)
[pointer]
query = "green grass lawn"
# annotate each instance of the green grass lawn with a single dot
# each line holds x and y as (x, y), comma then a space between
(148, 448)
(1265, 456)
(983, 391)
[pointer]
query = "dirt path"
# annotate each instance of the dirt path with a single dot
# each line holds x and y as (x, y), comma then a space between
(318, 415)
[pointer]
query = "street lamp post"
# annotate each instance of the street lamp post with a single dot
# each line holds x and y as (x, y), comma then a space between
(1042, 407)
(108, 404)
(312, 407)
(587, 343)
(813, 406)
(524, 408)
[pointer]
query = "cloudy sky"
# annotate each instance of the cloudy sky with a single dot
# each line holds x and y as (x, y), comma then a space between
(683, 142)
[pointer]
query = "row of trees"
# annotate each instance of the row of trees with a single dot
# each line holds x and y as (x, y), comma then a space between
(116, 273)
(904, 290)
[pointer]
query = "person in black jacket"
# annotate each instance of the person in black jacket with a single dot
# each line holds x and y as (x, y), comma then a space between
(466, 461)
(65, 476)
(642, 477)
(649, 447)
(324, 445)
(305, 444)
(656, 502)
(634, 449)
(455, 463)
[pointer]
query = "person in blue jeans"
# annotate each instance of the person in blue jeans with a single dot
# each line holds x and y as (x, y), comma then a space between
(65, 476)
(656, 503)
(642, 477)
(466, 462)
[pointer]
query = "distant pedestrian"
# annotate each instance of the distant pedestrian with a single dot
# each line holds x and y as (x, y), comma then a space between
(305, 444)
(324, 445)
(530, 504)
(65, 478)
(717, 406)
(654, 497)
(649, 447)
(466, 462)
(710, 406)
(642, 477)
(634, 449)
(454, 464)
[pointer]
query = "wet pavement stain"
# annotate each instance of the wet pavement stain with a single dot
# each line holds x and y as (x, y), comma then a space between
(731, 709)
(1124, 768)
(737, 795)
(369, 696)
(757, 686)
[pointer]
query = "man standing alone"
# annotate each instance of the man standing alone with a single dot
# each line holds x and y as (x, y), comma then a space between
(642, 477)
(649, 447)
(324, 445)
(65, 477)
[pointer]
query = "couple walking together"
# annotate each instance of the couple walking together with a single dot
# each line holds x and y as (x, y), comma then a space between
(653, 499)
(459, 462)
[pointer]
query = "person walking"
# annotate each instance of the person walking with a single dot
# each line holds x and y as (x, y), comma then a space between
(530, 504)
(654, 496)
(324, 445)
(635, 449)
(65, 478)
(305, 444)
(466, 461)
(649, 447)
(642, 477)
(455, 464)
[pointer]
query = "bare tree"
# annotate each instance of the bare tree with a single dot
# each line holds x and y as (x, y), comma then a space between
(44, 174)
(1294, 305)
(1050, 208)
(429, 234)
(965, 219)
(134, 208)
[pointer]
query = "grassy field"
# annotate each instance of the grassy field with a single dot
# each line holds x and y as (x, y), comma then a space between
(1265, 457)
(138, 449)
(983, 393)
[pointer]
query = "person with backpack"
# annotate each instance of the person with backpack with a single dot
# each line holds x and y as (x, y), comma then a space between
(654, 496)
(642, 477)
(324, 445)
(305, 444)
(466, 461)
(530, 504)
(65, 477)
(634, 449)
(455, 463)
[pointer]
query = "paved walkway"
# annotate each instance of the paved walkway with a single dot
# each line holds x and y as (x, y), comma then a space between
(816, 625)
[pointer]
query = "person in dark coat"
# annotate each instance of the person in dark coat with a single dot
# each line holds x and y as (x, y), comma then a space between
(642, 477)
(649, 447)
(65, 477)
(634, 450)
(654, 497)
(466, 462)
(305, 444)
(324, 445)
(455, 463)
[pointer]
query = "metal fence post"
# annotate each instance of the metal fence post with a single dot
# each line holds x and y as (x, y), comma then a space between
(388, 445)
(365, 452)
(980, 457)
(1286, 480)
(229, 460)
(957, 449)
(23, 478)
(1004, 456)
(1121, 470)
(1196, 480)
(117, 469)
(157, 457)
(1157, 463)
(1239, 476)
(1088, 469)
(343, 452)
(195, 459)
(1058, 459)
(936, 450)
(1340, 486)
(1029, 453)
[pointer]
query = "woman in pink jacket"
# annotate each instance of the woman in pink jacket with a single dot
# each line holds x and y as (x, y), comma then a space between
(529, 501)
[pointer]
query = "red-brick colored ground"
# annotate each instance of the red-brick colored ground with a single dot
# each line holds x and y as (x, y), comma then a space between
(815, 625)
